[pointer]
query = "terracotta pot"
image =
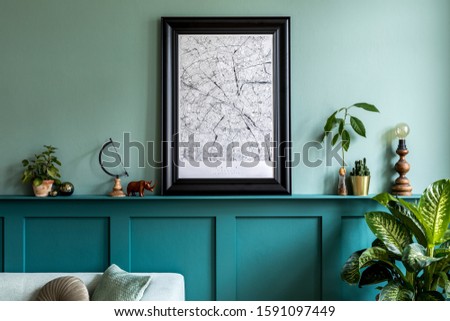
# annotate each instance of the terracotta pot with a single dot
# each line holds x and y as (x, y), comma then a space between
(43, 189)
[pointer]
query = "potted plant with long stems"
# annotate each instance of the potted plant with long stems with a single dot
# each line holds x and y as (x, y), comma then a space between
(338, 125)
(42, 171)
(410, 256)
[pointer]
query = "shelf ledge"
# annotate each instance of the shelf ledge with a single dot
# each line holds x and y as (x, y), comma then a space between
(199, 197)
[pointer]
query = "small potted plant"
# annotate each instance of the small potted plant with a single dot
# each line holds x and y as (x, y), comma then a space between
(42, 171)
(339, 121)
(360, 178)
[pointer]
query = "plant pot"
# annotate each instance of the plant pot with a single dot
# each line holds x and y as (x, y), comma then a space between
(360, 185)
(43, 189)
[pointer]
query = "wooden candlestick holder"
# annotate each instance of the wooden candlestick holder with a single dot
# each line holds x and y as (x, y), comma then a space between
(401, 186)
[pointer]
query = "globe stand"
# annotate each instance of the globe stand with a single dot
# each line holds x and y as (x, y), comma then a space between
(117, 189)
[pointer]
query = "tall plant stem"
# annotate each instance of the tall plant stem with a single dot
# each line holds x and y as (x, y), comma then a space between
(342, 146)
(400, 273)
(429, 270)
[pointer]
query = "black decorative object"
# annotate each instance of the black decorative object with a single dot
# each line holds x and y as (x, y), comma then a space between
(226, 105)
(117, 189)
(66, 189)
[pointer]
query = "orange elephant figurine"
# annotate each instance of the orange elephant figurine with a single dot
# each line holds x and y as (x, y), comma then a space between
(138, 187)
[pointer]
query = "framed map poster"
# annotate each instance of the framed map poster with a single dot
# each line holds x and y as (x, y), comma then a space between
(226, 105)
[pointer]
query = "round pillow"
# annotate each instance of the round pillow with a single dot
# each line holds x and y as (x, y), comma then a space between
(65, 288)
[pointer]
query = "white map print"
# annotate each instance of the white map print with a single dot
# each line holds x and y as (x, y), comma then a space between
(226, 105)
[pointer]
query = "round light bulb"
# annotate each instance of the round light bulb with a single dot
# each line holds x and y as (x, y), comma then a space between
(402, 130)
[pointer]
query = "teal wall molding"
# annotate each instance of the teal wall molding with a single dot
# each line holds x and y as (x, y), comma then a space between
(74, 73)
(248, 248)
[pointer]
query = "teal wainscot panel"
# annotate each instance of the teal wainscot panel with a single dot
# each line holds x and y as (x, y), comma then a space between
(182, 245)
(356, 236)
(70, 244)
(278, 258)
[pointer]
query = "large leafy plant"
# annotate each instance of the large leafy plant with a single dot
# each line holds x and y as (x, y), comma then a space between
(42, 167)
(412, 249)
(337, 124)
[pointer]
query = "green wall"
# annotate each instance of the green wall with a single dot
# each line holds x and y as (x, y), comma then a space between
(74, 73)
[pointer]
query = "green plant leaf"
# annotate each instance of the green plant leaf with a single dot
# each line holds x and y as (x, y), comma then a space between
(404, 215)
(375, 274)
(358, 126)
(341, 125)
(373, 255)
(446, 237)
(445, 245)
(434, 210)
(430, 296)
(444, 264)
(330, 122)
(350, 270)
(25, 162)
(442, 252)
(384, 198)
(379, 243)
(52, 172)
(444, 283)
(393, 233)
(367, 107)
(345, 140)
(412, 207)
(37, 181)
(395, 291)
(25, 178)
(414, 257)
(335, 138)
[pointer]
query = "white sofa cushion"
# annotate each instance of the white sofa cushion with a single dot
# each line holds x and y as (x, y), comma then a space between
(26, 286)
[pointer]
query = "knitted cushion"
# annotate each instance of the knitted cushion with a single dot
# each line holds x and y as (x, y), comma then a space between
(119, 285)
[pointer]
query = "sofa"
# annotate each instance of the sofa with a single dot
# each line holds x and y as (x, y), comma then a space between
(26, 286)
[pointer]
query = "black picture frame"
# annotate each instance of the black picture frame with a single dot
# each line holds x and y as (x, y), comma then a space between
(176, 30)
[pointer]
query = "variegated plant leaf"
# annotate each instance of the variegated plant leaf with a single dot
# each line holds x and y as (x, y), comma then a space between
(442, 252)
(384, 198)
(444, 264)
(395, 291)
(350, 270)
(379, 243)
(375, 274)
(444, 283)
(445, 245)
(373, 255)
(412, 207)
(434, 210)
(430, 296)
(389, 230)
(414, 257)
(403, 214)
(446, 237)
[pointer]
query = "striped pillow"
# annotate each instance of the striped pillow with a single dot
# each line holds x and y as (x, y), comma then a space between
(65, 288)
